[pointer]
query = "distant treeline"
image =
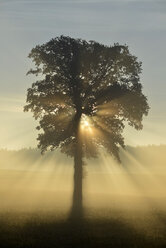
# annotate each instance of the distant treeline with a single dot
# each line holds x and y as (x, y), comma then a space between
(151, 155)
(28, 157)
(146, 155)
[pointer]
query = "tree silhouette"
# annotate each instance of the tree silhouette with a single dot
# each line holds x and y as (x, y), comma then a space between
(85, 94)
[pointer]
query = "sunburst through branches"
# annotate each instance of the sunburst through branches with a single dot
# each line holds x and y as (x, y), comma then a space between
(86, 124)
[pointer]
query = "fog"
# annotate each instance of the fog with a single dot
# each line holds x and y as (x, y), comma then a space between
(31, 182)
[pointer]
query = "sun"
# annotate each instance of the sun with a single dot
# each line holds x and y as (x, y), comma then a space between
(86, 124)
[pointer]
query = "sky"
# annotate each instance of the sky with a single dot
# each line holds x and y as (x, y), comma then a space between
(141, 24)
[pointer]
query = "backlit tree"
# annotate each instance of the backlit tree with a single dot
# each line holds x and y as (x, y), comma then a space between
(84, 95)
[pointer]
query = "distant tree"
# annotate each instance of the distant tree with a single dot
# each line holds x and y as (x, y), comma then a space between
(85, 94)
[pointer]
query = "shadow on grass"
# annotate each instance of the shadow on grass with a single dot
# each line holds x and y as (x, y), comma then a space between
(85, 233)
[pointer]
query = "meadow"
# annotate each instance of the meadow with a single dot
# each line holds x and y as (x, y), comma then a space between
(124, 206)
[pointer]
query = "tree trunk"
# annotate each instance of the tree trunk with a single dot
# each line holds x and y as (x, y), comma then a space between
(77, 205)
(77, 208)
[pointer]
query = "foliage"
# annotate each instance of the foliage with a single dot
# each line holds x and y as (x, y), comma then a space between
(85, 79)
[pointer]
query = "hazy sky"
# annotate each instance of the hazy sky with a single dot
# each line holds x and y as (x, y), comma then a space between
(26, 23)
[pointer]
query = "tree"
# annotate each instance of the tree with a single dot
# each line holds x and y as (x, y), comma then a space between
(85, 94)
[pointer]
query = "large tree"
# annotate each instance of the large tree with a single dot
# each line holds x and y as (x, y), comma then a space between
(85, 94)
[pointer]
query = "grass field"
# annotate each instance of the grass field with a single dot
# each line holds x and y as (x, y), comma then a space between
(103, 228)
(123, 208)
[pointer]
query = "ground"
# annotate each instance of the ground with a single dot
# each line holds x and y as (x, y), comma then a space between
(115, 229)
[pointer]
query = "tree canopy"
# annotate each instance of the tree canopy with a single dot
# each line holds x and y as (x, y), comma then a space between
(96, 84)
